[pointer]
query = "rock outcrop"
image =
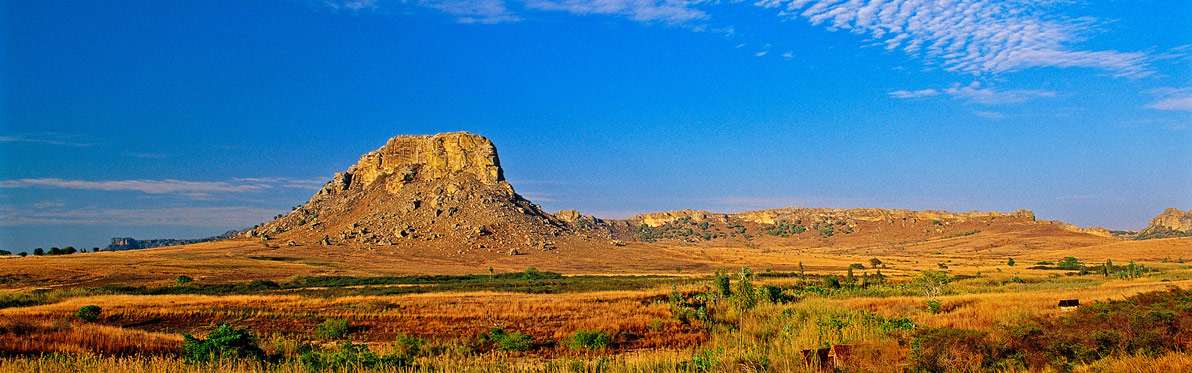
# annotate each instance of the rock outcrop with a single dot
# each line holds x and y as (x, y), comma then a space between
(447, 188)
(1171, 223)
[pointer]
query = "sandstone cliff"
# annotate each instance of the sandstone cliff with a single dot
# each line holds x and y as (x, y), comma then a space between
(1171, 223)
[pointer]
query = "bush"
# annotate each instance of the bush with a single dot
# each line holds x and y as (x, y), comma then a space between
(772, 293)
(88, 313)
(588, 340)
(950, 350)
(1069, 263)
(351, 357)
(183, 280)
(933, 306)
(497, 338)
(332, 329)
(858, 266)
(408, 345)
(224, 343)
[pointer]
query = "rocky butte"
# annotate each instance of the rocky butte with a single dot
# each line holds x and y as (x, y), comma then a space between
(418, 188)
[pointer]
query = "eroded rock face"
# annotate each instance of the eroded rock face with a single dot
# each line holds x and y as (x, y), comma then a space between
(1171, 223)
(1173, 219)
(421, 158)
(656, 219)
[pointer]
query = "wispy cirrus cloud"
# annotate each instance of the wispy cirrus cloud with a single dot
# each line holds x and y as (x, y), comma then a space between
(221, 216)
(667, 11)
(1178, 99)
(972, 36)
(915, 94)
(47, 138)
(196, 189)
(976, 93)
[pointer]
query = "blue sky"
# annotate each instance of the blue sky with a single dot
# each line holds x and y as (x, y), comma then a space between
(187, 118)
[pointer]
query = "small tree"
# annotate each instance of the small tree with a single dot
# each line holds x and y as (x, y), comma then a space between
(723, 285)
(1010, 262)
(55, 251)
(801, 275)
(490, 274)
(934, 284)
(39, 251)
(69, 250)
(183, 280)
(831, 282)
(88, 313)
(743, 293)
(875, 262)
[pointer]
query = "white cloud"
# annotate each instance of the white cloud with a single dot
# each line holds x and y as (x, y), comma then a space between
(988, 96)
(668, 11)
(972, 36)
(977, 94)
(915, 94)
(47, 138)
(762, 53)
(1178, 99)
(196, 189)
(474, 11)
(226, 216)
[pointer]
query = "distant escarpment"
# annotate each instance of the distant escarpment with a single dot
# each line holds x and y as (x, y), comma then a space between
(128, 243)
(445, 188)
(1171, 223)
(818, 226)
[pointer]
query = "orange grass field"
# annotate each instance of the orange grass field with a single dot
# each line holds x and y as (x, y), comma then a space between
(143, 333)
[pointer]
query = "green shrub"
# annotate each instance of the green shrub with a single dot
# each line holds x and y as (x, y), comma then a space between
(223, 343)
(183, 280)
(772, 293)
(1069, 263)
(351, 357)
(498, 339)
(332, 329)
(588, 340)
(408, 345)
(88, 313)
(933, 306)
